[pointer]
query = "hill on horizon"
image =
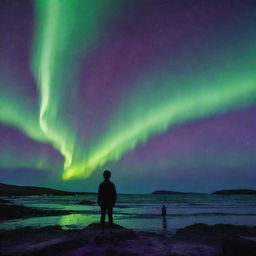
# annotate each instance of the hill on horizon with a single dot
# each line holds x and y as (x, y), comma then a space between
(15, 190)
(235, 192)
(218, 192)
(168, 192)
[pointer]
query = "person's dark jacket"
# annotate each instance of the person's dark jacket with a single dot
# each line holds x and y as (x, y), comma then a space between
(107, 194)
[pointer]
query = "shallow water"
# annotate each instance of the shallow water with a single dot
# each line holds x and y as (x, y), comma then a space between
(142, 212)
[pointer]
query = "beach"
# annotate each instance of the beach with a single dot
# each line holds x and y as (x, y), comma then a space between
(140, 212)
(69, 225)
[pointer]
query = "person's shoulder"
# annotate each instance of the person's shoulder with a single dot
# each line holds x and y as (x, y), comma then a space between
(112, 183)
(104, 183)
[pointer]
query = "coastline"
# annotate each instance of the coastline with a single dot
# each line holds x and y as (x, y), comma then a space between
(53, 239)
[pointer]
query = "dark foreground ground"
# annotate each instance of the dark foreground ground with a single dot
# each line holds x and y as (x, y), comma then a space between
(196, 240)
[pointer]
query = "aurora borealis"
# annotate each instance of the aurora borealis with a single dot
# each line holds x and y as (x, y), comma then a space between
(163, 93)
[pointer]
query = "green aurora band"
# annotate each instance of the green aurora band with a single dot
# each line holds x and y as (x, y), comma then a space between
(198, 98)
(148, 110)
(19, 113)
(56, 48)
(151, 117)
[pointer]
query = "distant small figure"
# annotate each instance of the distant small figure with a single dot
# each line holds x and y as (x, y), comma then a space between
(164, 212)
(106, 199)
(164, 217)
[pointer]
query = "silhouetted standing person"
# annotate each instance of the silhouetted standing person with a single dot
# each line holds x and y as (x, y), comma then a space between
(164, 217)
(164, 211)
(106, 199)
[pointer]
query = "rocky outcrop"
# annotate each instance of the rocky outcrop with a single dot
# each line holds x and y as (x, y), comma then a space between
(8, 212)
(4, 201)
(239, 247)
(229, 240)
(86, 202)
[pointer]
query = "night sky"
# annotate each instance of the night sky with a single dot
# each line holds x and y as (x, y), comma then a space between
(160, 92)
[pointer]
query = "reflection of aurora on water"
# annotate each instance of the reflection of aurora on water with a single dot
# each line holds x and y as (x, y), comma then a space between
(96, 82)
(143, 212)
(77, 220)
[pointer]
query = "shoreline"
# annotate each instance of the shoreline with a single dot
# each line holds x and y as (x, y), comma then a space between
(193, 240)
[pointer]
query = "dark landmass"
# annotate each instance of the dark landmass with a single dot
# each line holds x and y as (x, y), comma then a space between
(166, 192)
(13, 190)
(212, 234)
(198, 239)
(86, 202)
(235, 192)
(4, 201)
(228, 240)
(220, 192)
(8, 212)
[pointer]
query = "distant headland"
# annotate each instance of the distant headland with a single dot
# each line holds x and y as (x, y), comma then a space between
(219, 192)
(13, 190)
(235, 192)
(167, 192)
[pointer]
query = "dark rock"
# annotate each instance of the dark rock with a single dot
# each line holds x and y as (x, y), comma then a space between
(62, 248)
(213, 234)
(111, 252)
(8, 212)
(4, 201)
(30, 232)
(99, 239)
(86, 202)
(238, 247)
(96, 227)
(119, 233)
(238, 230)
(114, 252)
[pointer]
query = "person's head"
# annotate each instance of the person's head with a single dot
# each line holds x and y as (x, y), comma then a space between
(107, 174)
